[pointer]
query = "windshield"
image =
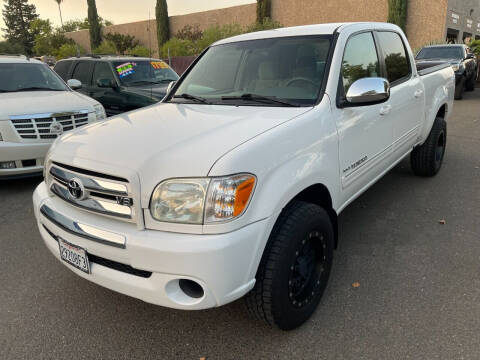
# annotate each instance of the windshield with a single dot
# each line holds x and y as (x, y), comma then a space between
(144, 72)
(29, 77)
(447, 52)
(268, 72)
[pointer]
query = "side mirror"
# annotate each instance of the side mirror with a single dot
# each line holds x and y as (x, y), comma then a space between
(106, 83)
(170, 86)
(470, 56)
(368, 91)
(74, 84)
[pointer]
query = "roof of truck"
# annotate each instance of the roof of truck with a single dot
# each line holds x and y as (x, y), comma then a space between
(305, 30)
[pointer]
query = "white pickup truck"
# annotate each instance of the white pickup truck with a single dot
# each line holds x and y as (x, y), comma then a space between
(232, 185)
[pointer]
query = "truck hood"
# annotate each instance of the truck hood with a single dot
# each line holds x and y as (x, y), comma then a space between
(39, 102)
(167, 140)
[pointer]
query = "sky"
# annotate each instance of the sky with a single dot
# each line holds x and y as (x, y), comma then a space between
(123, 11)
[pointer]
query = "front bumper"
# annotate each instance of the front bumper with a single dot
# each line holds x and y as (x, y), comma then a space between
(28, 157)
(224, 265)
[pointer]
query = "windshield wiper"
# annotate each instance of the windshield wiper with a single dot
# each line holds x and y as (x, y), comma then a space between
(259, 98)
(191, 97)
(37, 88)
(139, 82)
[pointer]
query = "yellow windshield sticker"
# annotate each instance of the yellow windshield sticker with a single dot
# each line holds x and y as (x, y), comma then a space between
(159, 65)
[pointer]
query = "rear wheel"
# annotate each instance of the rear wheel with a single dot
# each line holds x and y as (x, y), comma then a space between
(295, 267)
(460, 88)
(427, 159)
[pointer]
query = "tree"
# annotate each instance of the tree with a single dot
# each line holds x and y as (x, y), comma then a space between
(60, 10)
(122, 42)
(48, 41)
(76, 25)
(18, 15)
(397, 13)
(163, 29)
(7, 47)
(264, 8)
(95, 27)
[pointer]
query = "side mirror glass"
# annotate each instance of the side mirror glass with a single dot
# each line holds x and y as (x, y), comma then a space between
(170, 86)
(106, 83)
(74, 84)
(368, 91)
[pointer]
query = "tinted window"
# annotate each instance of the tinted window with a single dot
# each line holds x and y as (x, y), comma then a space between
(29, 77)
(396, 62)
(360, 59)
(142, 72)
(62, 68)
(102, 71)
(82, 72)
(441, 52)
(288, 69)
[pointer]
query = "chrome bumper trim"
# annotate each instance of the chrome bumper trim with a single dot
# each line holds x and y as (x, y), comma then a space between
(83, 230)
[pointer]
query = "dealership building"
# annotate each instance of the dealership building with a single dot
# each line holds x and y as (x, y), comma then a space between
(427, 20)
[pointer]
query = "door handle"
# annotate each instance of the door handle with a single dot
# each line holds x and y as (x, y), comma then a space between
(385, 110)
(418, 93)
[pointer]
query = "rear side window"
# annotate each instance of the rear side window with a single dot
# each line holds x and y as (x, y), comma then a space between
(360, 59)
(396, 61)
(61, 68)
(83, 72)
(102, 72)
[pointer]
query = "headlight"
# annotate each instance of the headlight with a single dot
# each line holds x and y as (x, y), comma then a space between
(202, 200)
(99, 112)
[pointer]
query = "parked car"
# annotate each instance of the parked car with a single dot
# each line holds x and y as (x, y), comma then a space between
(119, 83)
(232, 185)
(36, 107)
(462, 59)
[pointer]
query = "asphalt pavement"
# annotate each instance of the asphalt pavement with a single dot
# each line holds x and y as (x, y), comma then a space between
(412, 245)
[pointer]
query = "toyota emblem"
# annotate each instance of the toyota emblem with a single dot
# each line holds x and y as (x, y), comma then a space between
(76, 189)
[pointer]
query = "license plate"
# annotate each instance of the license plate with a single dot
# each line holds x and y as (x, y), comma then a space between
(74, 255)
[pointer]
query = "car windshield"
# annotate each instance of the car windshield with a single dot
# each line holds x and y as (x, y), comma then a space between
(267, 72)
(29, 77)
(142, 72)
(444, 52)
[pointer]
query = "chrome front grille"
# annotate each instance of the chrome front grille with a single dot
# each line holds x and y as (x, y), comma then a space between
(92, 191)
(49, 125)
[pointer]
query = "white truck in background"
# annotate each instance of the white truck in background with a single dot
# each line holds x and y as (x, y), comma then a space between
(36, 107)
(232, 185)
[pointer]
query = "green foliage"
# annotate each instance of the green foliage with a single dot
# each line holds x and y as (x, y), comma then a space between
(106, 47)
(47, 40)
(189, 32)
(69, 50)
(266, 24)
(95, 27)
(179, 47)
(215, 33)
(264, 9)
(163, 28)
(76, 25)
(397, 13)
(18, 15)
(139, 50)
(475, 45)
(7, 47)
(122, 42)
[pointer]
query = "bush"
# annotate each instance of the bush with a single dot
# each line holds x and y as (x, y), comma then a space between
(189, 32)
(106, 48)
(475, 45)
(122, 42)
(266, 24)
(216, 33)
(139, 50)
(69, 50)
(179, 48)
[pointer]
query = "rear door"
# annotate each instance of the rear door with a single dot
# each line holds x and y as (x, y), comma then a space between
(82, 72)
(407, 99)
(365, 132)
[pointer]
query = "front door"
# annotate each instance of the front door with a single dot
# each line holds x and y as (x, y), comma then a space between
(365, 132)
(109, 97)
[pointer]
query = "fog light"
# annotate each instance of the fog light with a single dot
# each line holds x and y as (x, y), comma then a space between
(7, 165)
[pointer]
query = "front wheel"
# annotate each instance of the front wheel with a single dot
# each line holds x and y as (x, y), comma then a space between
(427, 159)
(460, 88)
(295, 267)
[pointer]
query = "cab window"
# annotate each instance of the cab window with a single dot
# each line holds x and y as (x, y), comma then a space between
(102, 72)
(360, 59)
(396, 60)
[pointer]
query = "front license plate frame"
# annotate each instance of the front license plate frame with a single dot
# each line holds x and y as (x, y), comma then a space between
(74, 255)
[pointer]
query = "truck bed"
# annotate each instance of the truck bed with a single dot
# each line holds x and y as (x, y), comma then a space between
(425, 68)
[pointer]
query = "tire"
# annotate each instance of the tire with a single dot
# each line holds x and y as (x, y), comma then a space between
(471, 83)
(426, 160)
(294, 268)
(459, 89)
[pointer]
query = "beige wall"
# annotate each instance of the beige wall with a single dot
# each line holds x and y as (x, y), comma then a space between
(425, 22)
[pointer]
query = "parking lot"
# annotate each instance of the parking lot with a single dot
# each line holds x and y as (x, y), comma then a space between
(412, 245)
